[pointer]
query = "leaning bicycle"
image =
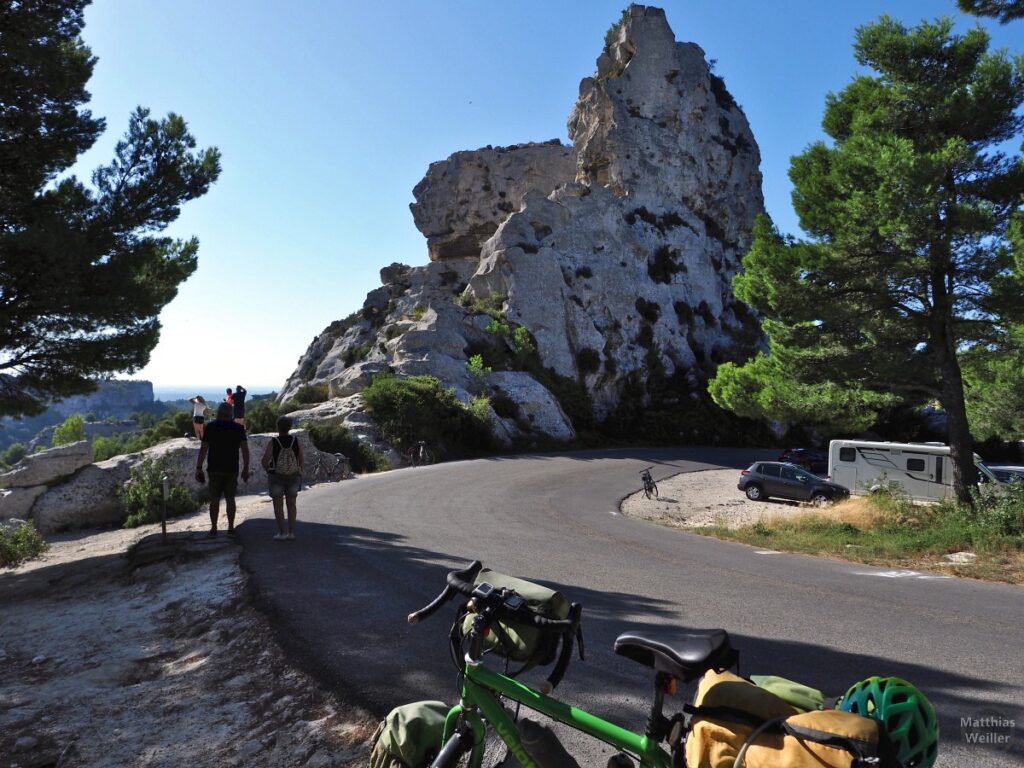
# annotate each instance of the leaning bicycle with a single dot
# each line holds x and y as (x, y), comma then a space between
(733, 721)
(650, 487)
(327, 467)
(419, 454)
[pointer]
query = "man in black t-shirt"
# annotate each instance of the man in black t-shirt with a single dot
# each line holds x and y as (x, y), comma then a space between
(223, 439)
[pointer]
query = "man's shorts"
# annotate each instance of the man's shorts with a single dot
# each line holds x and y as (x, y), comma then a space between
(239, 411)
(222, 484)
(284, 485)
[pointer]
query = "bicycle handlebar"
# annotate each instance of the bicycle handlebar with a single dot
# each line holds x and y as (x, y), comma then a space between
(461, 582)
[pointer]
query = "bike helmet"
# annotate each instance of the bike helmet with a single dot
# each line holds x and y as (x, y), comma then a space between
(908, 717)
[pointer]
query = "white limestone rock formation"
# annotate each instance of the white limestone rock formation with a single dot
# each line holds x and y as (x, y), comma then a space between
(89, 498)
(618, 267)
(46, 467)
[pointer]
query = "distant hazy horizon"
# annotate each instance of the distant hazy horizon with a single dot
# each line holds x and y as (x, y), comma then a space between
(212, 392)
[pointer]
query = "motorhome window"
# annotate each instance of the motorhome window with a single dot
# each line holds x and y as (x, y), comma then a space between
(915, 465)
(771, 470)
(847, 454)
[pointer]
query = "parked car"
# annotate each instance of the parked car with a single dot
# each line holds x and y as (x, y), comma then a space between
(775, 479)
(1007, 474)
(815, 461)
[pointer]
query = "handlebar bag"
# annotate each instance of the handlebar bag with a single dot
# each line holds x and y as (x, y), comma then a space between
(519, 642)
(410, 736)
(731, 713)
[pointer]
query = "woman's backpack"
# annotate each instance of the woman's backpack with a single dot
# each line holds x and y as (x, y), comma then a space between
(287, 462)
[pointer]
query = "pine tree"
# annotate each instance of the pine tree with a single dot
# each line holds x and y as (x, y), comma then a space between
(908, 266)
(83, 272)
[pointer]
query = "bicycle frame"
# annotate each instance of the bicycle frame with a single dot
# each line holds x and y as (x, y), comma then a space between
(478, 698)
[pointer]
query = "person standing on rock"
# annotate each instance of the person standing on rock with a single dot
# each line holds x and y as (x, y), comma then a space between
(238, 401)
(223, 440)
(283, 461)
(199, 411)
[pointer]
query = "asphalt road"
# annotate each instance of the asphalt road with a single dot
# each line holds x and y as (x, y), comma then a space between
(371, 550)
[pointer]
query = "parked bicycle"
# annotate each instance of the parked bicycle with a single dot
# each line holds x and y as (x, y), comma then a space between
(650, 487)
(516, 619)
(418, 454)
(326, 467)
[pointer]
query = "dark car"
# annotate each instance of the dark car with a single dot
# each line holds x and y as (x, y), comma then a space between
(776, 479)
(815, 461)
(1007, 474)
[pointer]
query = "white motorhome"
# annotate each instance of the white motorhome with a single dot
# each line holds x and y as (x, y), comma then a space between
(921, 470)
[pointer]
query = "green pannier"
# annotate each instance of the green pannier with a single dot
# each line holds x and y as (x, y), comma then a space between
(802, 697)
(410, 736)
(517, 642)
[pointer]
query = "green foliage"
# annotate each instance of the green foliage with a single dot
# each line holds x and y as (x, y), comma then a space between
(174, 424)
(1004, 10)
(114, 272)
(418, 312)
(419, 408)
(71, 431)
(19, 543)
(499, 327)
(664, 264)
(478, 373)
(14, 453)
(355, 354)
(613, 30)
(524, 345)
(908, 268)
(306, 394)
(261, 416)
(493, 305)
(334, 438)
(994, 388)
(142, 495)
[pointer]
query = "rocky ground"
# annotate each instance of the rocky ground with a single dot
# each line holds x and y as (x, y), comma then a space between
(700, 499)
(109, 660)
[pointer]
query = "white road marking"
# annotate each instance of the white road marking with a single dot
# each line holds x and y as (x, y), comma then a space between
(902, 575)
(766, 552)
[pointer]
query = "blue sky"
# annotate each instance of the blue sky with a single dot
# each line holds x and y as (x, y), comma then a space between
(328, 112)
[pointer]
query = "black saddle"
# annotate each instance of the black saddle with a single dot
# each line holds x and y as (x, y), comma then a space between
(684, 654)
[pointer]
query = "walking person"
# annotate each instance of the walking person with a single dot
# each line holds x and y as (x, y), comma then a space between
(283, 461)
(238, 401)
(199, 410)
(223, 440)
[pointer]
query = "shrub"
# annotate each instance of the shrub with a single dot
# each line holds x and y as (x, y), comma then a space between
(306, 394)
(15, 452)
(334, 438)
(419, 408)
(418, 312)
(19, 543)
(71, 431)
(499, 327)
(649, 310)
(523, 343)
(478, 372)
(261, 416)
(142, 495)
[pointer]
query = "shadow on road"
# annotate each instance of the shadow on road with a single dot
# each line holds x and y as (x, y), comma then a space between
(340, 610)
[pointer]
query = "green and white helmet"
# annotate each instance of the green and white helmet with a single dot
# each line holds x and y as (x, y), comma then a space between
(908, 717)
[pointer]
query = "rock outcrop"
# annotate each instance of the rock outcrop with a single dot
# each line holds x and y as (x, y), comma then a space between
(47, 467)
(89, 497)
(604, 268)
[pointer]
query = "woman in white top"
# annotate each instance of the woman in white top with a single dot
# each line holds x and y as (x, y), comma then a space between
(199, 409)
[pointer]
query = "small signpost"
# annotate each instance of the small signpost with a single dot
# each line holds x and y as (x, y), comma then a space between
(163, 507)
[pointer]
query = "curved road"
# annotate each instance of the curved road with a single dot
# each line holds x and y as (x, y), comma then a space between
(371, 550)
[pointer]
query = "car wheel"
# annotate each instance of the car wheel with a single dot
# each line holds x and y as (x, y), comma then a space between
(754, 492)
(820, 500)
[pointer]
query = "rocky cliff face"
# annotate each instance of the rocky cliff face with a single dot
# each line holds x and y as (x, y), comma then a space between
(606, 266)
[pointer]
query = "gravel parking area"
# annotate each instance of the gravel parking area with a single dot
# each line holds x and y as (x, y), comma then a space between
(699, 499)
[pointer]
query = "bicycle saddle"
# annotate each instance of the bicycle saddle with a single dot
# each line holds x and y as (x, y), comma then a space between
(684, 654)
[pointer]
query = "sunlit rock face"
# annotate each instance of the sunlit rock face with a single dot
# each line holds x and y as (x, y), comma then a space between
(616, 254)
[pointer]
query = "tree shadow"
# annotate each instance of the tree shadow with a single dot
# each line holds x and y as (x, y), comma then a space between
(340, 611)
